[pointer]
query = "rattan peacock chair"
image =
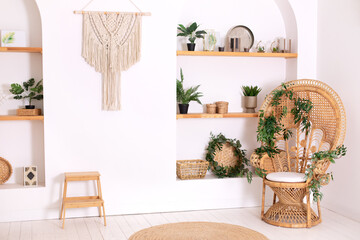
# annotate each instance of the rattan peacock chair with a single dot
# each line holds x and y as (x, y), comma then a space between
(285, 171)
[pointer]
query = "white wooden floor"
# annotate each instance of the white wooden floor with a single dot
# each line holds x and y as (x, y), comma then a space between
(334, 226)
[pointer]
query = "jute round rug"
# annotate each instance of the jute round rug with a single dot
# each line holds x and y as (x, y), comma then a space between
(197, 231)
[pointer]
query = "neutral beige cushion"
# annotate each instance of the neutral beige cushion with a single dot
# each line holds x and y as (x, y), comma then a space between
(286, 177)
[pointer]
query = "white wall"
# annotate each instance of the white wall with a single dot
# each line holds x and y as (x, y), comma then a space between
(338, 65)
(221, 78)
(21, 142)
(135, 149)
(306, 18)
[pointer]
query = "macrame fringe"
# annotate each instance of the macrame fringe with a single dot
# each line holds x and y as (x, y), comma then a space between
(111, 59)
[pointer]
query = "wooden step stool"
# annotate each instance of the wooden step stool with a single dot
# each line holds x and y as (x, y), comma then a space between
(81, 202)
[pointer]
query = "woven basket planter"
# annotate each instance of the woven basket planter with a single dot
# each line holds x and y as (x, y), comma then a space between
(222, 107)
(5, 170)
(211, 108)
(191, 169)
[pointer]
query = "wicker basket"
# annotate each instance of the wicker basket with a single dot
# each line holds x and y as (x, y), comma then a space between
(222, 107)
(5, 170)
(211, 108)
(28, 112)
(191, 169)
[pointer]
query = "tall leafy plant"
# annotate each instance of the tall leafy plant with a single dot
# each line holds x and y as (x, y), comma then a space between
(190, 32)
(185, 96)
(29, 90)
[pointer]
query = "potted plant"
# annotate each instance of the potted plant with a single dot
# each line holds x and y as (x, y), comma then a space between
(184, 97)
(274, 47)
(260, 48)
(191, 33)
(28, 90)
(250, 97)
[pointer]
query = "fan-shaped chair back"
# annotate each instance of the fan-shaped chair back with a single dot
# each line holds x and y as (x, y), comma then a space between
(328, 126)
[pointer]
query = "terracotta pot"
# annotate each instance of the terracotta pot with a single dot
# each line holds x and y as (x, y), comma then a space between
(250, 103)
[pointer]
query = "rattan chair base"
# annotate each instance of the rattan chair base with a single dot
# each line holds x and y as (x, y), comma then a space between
(291, 216)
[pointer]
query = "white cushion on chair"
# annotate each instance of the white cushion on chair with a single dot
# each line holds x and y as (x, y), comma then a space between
(288, 177)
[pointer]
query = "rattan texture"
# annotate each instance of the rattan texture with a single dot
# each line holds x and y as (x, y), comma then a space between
(197, 231)
(191, 169)
(211, 108)
(222, 107)
(226, 156)
(5, 170)
(328, 128)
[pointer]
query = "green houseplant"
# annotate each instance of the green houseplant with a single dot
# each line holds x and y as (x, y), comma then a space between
(250, 97)
(29, 90)
(260, 47)
(184, 97)
(191, 33)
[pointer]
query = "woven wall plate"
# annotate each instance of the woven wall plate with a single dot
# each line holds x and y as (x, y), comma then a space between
(5, 170)
(226, 156)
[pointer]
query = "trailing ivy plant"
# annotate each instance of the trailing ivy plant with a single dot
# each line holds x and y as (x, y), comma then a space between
(215, 144)
(315, 183)
(270, 127)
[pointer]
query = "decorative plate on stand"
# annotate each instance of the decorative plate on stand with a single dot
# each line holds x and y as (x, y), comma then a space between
(5, 170)
(242, 32)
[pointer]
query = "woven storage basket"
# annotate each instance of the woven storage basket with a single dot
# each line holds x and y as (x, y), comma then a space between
(191, 169)
(222, 107)
(28, 112)
(211, 108)
(5, 170)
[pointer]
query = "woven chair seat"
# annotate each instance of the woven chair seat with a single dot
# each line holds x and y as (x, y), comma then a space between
(288, 177)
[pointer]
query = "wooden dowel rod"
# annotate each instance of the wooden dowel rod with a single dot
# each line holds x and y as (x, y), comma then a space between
(136, 13)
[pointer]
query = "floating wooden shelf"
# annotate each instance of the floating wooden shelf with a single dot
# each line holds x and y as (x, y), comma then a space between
(236, 54)
(14, 117)
(226, 115)
(19, 186)
(21, 49)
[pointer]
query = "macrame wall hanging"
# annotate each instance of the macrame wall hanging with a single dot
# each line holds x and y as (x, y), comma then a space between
(111, 43)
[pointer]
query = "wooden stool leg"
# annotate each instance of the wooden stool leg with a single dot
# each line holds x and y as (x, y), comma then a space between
(62, 214)
(64, 196)
(104, 215)
(63, 225)
(99, 194)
